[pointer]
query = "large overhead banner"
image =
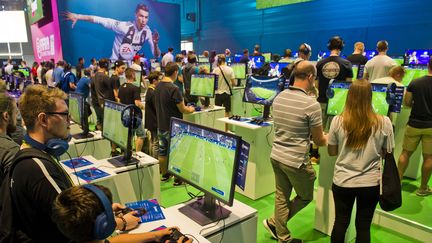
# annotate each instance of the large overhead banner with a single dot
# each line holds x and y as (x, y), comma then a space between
(261, 4)
(118, 29)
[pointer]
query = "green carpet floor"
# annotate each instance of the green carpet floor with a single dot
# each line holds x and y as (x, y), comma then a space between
(301, 225)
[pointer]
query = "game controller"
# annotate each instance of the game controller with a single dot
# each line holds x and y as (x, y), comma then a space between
(257, 121)
(140, 211)
(235, 117)
(197, 108)
(174, 236)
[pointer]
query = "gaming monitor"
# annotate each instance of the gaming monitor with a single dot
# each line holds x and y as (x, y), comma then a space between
(256, 62)
(114, 131)
(79, 114)
(207, 159)
(369, 54)
(337, 99)
(276, 68)
(417, 57)
(237, 57)
(203, 85)
(35, 10)
(205, 65)
(138, 79)
(239, 70)
(413, 72)
(323, 54)
(202, 58)
(263, 90)
(267, 56)
(229, 60)
(294, 54)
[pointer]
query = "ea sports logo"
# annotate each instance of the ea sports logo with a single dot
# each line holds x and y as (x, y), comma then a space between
(331, 70)
(126, 51)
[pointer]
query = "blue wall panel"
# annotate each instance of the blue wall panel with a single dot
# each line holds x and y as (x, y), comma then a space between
(237, 24)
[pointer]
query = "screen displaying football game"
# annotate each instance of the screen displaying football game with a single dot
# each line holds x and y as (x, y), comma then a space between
(256, 62)
(202, 58)
(204, 157)
(137, 81)
(262, 90)
(267, 56)
(417, 57)
(35, 10)
(75, 107)
(205, 65)
(370, 53)
(412, 73)
(276, 68)
(336, 104)
(112, 128)
(203, 85)
(239, 70)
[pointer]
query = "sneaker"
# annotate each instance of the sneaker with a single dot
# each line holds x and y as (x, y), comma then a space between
(270, 228)
(423, 192)
(177, 182)
(165, 177)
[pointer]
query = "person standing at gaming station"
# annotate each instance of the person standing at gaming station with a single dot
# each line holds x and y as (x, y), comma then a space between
(80, 68)
(151, 123)
(296, 116)
(169, 103)
(357, 57)
(226, 81)
(189, 69)
(99, 89)
(129, 94)
(380, 65)
(304, 54)
(419, 128)
(119, 69)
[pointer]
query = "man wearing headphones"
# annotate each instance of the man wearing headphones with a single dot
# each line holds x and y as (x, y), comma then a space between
(380, 65)
(304, 53)
(332, 67)
(95, 220)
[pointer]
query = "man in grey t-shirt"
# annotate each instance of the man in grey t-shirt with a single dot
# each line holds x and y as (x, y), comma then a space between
(297, 116)
(380, 65)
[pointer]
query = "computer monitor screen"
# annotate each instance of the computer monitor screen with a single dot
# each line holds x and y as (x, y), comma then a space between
(262, 90)
(294, 54)
(323, 54)
(267, 57)
(369, 54)
(413, 72)
(205, 65)
(112, 128)
(336, 103)
(360, 71)
(137, 81)
(229, 60)
(239, 70)
(76, 107)
(202, 58)
(256, 62)
(35, 10)
(417, 57)
(203, 85)
(237, 57)
(204, 157)
(276, 68)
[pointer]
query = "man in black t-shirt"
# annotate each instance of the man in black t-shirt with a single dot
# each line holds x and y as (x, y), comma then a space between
(169, 103)
(150, 112)
(80, 68)
(419, 128)
(357, 57)
(114, 81)
(332, 67)
(129, 94)
(99, 90)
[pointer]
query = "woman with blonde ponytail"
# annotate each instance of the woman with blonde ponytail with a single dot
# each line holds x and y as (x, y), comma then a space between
(358, 137)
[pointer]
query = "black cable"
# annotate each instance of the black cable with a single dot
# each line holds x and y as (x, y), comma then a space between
(82, 152)
(223, 220)
(191, 236)
(139, 181)
(271, 129)
(73, 167)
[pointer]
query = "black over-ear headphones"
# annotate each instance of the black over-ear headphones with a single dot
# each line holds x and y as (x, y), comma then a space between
(104, 223)
(305, 49)
(336, 42)
(55, 146)
(131, 116)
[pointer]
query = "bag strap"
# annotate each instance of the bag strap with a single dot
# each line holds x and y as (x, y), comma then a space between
(229, 86)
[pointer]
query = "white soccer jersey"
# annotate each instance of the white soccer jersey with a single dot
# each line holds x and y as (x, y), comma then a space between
(128, 40)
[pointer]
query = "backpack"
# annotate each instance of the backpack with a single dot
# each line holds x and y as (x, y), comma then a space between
(391, 191)
(8, 229)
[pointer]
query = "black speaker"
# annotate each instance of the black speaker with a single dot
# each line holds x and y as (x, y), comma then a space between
(191, 17)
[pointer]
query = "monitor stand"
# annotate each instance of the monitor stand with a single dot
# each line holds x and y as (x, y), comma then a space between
(205, 210)
(122, 161)
(266, 113)
(82, 135)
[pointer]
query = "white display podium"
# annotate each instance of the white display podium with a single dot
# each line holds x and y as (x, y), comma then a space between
(240, 226)
(208, 117)
(259, 174)
(126, 182)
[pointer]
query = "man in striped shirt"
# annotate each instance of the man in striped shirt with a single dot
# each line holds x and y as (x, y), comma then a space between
(297, 116)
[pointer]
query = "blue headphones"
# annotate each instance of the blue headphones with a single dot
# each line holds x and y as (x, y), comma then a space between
(55, 146)
(104, 224)
(131, 116)
(305, 49)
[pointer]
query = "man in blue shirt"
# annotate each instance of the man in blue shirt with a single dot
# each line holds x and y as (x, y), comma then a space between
(68, 81)
(58, 72)
(83, 86)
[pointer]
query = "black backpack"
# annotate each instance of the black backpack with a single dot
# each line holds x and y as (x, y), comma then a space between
(8, 227)
(391, 191)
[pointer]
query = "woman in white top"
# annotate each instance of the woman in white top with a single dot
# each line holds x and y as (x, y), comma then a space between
(358, 137)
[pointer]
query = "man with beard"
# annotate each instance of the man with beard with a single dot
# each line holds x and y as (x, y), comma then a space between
(8, 148)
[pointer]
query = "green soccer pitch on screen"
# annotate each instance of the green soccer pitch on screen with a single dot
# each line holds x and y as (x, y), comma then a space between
(239, 70)
(203, 85)
(113, 129)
